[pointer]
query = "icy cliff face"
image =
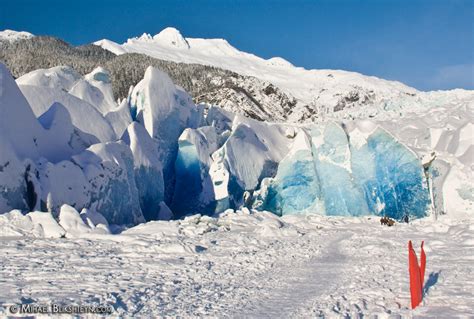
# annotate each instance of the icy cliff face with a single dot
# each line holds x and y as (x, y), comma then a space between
(193, 189)
(157, 155)
(109, 169)
(335, 173)
(165, 111)
(49, 161)
(148, 170)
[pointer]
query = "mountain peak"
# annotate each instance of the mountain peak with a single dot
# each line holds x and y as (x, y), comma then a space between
(172, 37)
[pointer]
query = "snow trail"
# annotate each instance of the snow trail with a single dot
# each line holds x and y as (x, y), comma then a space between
(300, 286)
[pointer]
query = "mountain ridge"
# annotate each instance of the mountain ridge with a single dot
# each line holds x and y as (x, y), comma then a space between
(277, 92)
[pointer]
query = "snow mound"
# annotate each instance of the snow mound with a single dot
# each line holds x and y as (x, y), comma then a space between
(59, 77)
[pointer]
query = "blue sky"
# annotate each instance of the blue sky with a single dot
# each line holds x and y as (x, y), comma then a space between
(425, 44)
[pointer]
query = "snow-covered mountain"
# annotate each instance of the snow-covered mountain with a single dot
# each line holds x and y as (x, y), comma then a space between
(268, 98)
(316, 91)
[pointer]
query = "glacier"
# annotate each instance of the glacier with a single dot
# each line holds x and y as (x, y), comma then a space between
(328, 174)
(157, 155)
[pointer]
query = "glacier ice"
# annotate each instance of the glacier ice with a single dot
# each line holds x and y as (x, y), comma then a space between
(147, 168)
(165, 110)
(157, 155)
(399, 182)
(193, 188)
(12, 178)
(120, 118)
(96, 89)
(296, 187)
(109, 170)
(332, 175)
(60, 183)
(59, 77)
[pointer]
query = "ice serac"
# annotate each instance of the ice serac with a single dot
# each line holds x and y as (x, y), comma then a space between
(120, 118)
(109, 169)
(251, 153)
(194, 192)
(165, 110)
(84, 116)
(96, 89)
(58, 123)
(14, 109)
(392, 177)
(148, 170)
(60, 183)
(296, 187)
(58, 77)
(342, 195)
(12, 178)
(335, 172)
(52, 138)
(44, 87)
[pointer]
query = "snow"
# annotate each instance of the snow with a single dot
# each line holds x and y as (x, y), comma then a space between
(96, 89)
(11, 36)
(83, 115)
(248, 264)
(120, 118)
(71, 222)
(59, 77)
(110, 46)
(171, 37)
(323, 87)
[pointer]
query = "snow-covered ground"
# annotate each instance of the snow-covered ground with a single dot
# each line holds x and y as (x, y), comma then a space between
(247, 265)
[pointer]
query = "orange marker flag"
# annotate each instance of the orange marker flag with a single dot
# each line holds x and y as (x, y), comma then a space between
(422, 265)
(415, 277)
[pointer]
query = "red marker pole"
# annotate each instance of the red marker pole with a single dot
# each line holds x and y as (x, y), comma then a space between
(415, 277)
(422, 266)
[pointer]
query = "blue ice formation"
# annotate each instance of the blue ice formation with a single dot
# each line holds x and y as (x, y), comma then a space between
(397, 186)
(295, 188)
(193, 187)
(165, 110)
(109, 170)
(337, 177)
(147, 169)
